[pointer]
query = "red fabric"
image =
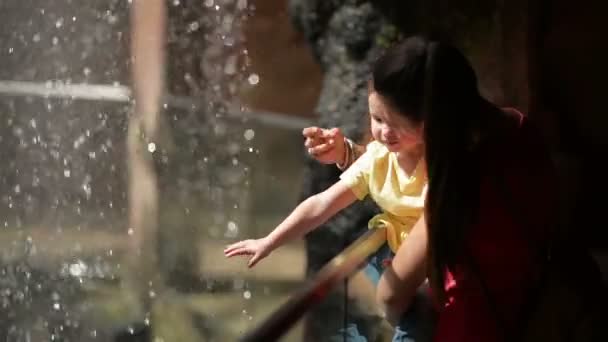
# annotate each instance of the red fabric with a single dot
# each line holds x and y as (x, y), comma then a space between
(498, 243)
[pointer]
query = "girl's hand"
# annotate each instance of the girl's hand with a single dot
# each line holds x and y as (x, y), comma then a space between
(258, 248)
(325, 145)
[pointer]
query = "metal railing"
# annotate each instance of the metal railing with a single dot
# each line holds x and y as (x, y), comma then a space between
(339, 268)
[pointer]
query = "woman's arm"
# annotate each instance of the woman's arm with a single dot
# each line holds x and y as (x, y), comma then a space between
(399, 282)
(307, 216)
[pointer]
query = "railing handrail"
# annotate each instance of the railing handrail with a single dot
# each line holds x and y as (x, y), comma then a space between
(121, 93)
(336, 270)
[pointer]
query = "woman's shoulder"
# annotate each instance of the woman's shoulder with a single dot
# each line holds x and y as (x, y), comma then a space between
(514, 129)
(525, 132)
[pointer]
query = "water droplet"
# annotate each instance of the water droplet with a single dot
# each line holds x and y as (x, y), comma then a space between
(112, 19)
(247, 294)
(59, 23)
(152, 294)
(86, 71)
(55, 40)
(249, 134)
(175, 2)
(17, 189)
(130, 231)
(66, 173)
(232, 226)
(151, 147)
(229, 41)
(253, 79)
(232, 230)
(208, 3)
(36, 38)
(86, 187)
(193, 26)
(79, 141)
(57, 306)
(78, 269)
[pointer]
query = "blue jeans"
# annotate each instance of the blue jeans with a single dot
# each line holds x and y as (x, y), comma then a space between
(415, 325)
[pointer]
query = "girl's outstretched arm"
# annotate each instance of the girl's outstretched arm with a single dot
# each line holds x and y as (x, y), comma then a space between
(307, 216)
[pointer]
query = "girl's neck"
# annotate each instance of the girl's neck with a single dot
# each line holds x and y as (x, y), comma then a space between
(409, 159)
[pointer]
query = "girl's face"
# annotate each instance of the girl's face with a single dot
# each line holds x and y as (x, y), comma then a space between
(390, 128)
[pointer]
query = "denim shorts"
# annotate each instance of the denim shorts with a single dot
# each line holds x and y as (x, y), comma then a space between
(415, 325)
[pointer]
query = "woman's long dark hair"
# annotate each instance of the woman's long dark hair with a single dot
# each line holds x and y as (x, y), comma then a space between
(432, 83)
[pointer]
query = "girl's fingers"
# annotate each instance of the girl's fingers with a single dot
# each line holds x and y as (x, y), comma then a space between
(236, 245)
(311, 132)
(331, 133)
(240, 251)
(233, 246)
(310, 142)
(254, 260)
(320, 149)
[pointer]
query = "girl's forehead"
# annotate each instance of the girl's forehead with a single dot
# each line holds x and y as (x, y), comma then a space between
(378, 106)
(376, 101)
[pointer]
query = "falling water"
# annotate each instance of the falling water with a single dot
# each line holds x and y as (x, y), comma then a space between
(124, 146)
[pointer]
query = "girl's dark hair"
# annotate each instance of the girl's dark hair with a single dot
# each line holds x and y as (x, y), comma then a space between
(431, 82)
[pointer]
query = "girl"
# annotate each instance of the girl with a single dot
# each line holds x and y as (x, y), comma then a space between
(393, 172)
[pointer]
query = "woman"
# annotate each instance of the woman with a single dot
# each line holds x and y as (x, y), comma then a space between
(482, 162)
